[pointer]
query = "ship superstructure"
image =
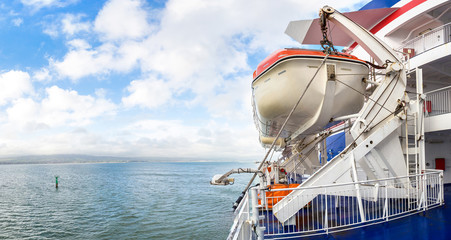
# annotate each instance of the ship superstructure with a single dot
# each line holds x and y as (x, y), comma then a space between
(364, 140)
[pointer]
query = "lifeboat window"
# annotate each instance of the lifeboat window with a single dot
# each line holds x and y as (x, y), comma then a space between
(282, 72)
(267, 79)
(346, 69)
(312, 66)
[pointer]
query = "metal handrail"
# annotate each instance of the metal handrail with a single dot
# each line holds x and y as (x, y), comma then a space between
(242, 214)
(342, 208)
(438, 101)
(427, 172)
(438, 90)
(429, 40)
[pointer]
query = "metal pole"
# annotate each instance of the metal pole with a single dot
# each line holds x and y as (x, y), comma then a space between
(357, 188)
(326, 220)
(420, 122)
(425, 205)
(386, 210)
(442, 194)
(255, 215)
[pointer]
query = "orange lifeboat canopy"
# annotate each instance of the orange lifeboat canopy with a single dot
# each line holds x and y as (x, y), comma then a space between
(286, 53)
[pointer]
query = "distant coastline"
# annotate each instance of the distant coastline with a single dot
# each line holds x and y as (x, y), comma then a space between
(79, 158)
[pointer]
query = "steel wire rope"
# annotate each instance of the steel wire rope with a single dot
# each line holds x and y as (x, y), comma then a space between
(368, 125)
(363, 95)
(382, 106)
(280, 131)
(302, 159)
(357, 74)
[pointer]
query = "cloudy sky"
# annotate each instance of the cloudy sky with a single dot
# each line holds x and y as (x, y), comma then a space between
(138, 78)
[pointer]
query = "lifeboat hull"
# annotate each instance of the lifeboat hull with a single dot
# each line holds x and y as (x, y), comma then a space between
(280, 80)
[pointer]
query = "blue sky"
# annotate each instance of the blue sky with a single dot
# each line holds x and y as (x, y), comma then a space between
(138, 78)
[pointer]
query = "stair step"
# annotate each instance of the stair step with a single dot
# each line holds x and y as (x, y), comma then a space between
(412, 151)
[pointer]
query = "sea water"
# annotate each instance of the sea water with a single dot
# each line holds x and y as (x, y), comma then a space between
(117, 201)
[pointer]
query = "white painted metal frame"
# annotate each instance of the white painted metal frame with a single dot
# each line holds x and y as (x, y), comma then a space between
(338, 208)
(429, 40)
(373, 131)
(440, 101)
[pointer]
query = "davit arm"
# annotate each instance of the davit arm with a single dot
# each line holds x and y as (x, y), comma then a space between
(376, 145)
(388, 95)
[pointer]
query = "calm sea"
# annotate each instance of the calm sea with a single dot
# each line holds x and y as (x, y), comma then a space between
(117, 201)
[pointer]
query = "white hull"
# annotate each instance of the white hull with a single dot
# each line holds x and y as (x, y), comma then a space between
(277, 90)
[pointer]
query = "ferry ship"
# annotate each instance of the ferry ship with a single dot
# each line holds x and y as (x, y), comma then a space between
(364, 133)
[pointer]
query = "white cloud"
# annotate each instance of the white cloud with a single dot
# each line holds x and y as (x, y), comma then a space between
(17, 22)
(234, 101)
(68, 25)
(13, 85)
(200, 47)
(150, 93)
(22, 115)
(81, 61)
(177, 139)
(42, 75)
(78, 44)
(122, 19)
(51, 29)
(72, 24)
(67, 107)
(191, 53)
(51, 125)
(38, 4)
(59, 108)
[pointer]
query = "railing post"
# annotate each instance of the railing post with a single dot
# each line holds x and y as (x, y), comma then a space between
(420, 121)
(424, 43)
(255, 215)
(357, 188)
(326, 218)
(442, 194)
(386, 201)
(425, 192)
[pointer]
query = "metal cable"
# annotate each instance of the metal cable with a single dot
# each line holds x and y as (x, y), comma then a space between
(367, 126)
(363, 95)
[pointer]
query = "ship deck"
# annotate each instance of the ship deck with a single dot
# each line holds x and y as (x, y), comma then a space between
(431, 224)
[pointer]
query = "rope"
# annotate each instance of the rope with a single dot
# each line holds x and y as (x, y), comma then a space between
(363, 95)
(382, 106)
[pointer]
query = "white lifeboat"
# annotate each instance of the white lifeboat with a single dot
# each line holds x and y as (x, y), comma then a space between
(279, 81)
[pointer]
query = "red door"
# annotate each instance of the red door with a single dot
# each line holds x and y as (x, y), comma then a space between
(440, 164)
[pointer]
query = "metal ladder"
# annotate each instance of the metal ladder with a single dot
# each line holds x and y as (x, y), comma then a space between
(411, 145)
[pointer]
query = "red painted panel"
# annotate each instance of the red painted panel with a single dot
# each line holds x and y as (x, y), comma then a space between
(440, 164)
(427, 106)
(392, 17)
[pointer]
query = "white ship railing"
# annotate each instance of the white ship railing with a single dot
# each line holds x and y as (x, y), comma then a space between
(240, 228)
(438, 102)
(431, 39)
(340, 208)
